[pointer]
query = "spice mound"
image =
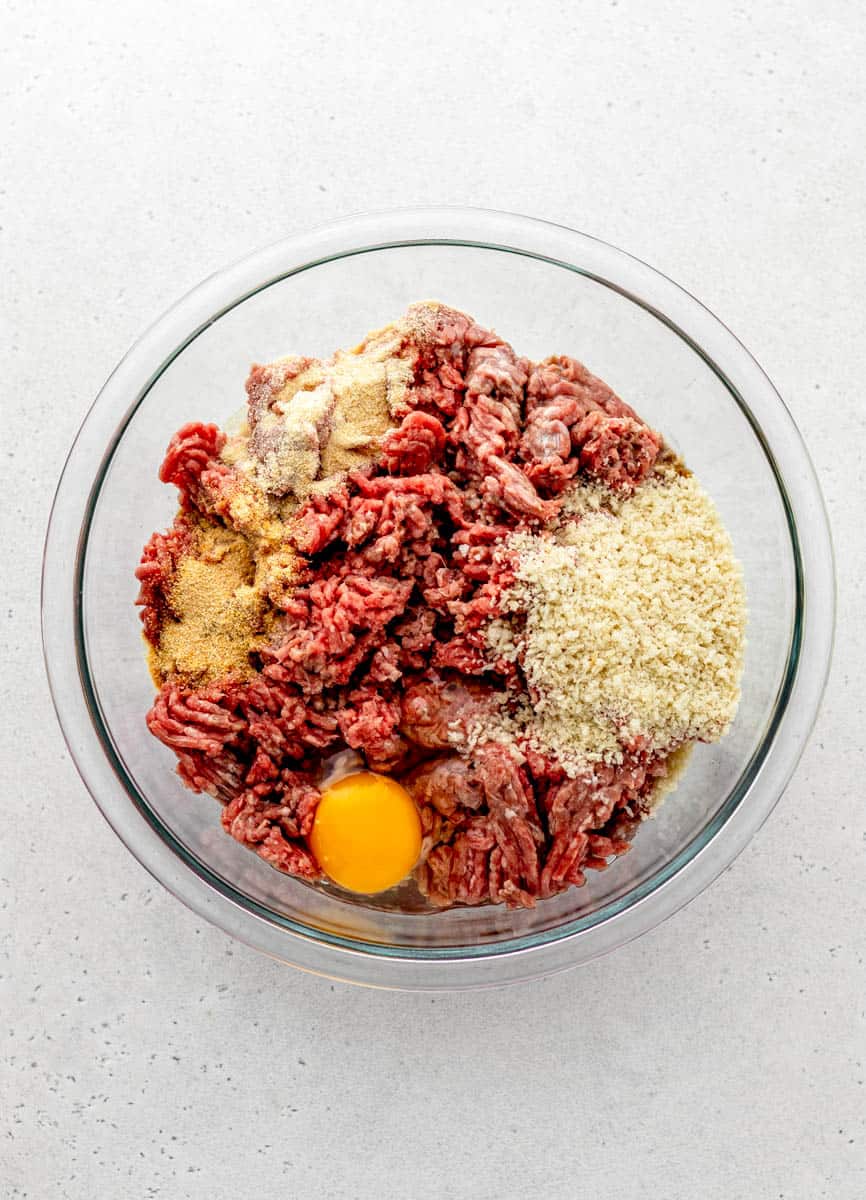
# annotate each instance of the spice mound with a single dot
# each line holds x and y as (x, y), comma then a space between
(431, 610)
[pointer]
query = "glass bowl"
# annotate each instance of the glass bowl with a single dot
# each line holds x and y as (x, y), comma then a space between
(546, 289)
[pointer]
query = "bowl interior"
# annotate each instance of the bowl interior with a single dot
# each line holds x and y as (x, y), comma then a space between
(541, 308)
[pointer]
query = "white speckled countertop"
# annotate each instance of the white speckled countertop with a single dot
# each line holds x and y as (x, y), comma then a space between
(142, 1054)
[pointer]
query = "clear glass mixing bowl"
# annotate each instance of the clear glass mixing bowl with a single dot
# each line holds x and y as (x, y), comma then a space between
(546, 289)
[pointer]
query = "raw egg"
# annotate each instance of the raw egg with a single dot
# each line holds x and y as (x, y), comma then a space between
(366, 834)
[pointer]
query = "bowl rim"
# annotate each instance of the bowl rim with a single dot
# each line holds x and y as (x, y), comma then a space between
(762, 780)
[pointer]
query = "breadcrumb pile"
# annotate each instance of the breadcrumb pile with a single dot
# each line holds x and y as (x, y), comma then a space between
(628, 620)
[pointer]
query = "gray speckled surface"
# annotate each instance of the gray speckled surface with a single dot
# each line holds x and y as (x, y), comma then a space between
(141, 1053)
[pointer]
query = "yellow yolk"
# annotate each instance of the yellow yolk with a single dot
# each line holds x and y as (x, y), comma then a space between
(366, 833)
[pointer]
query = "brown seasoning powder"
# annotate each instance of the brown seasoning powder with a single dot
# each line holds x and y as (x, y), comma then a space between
(218, 615)
(326, 420)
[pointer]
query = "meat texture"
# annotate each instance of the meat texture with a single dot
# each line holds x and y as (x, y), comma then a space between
(380, 643)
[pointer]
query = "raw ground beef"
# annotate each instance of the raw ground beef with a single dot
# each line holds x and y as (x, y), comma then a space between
(381, 644)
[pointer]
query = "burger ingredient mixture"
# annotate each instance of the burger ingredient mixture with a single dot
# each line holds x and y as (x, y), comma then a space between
(434, 608)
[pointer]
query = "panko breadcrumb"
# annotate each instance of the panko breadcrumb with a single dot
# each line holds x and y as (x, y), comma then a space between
(628, 621)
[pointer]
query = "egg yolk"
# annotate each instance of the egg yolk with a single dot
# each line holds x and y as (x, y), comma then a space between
(366, 833)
